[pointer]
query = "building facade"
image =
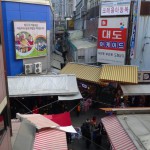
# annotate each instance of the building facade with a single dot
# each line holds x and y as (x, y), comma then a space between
(27, 11)
(139, 50)
(5, 140)
(63, 9)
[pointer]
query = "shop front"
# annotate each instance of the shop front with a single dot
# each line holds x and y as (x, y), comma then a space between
(45, 92)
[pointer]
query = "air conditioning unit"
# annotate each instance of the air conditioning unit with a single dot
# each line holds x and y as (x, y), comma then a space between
(28, 68)
(37, 67)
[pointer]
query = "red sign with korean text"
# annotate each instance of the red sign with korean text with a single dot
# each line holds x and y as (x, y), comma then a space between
(112, 36)
(112, 39)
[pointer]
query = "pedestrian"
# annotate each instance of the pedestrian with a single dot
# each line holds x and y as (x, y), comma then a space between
(83, 129)
(68, 135)
(78, 110)
(98, 140)
(87, 136)
(35, 110)
(93, 121)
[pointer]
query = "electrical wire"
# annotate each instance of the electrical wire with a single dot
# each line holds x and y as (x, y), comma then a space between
(23, 105)
(45, 105)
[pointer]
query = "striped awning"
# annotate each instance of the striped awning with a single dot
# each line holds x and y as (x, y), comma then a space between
(122, 74)
(50, 140)
(83, 72)
(118, 137)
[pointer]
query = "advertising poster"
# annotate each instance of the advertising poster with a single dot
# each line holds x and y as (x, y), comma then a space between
(112, 36)
(30, 39)
(115, 8)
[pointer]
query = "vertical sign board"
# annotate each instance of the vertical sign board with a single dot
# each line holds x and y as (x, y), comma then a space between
(133, 35)
(30, 39)
(112, 35)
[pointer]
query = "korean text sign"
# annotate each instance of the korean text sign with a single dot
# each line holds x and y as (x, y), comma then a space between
(112, 35)
(30, 39)
(115, 8)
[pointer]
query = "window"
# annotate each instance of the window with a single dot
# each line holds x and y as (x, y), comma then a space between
(80, 57)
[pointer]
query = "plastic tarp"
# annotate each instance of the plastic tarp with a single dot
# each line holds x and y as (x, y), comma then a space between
(83, 44)
(56, 64)
(58, 58)
(21, 86)
(63, 120)
(75, 34)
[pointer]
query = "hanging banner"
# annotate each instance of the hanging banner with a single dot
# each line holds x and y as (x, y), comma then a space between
(115, 8)
(30, 39)
(112, 35)
(133, 35)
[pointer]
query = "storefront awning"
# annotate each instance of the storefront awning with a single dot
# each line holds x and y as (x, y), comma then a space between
(39, 121)
(21, 86)
(83, 72)
(70, 97)
(139, 89)
(122, 74)
(51, 139)
(118, 137)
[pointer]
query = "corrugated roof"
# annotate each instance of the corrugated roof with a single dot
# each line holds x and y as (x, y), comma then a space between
(83, 72)
(123, 74)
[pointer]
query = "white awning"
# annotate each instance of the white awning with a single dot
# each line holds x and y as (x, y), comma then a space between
(70, 97)
(139, 89)
(21, 86)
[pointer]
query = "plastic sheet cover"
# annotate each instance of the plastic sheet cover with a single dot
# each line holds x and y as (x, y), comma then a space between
(21, 86)
(75, 34)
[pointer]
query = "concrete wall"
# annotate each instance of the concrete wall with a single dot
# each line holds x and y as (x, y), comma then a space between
(91, 27)
(6, 142)
(22, 12)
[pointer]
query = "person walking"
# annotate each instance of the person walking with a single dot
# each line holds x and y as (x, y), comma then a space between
(88, 136)
(78, 110)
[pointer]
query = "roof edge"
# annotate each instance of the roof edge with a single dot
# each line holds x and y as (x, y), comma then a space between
(42, 2)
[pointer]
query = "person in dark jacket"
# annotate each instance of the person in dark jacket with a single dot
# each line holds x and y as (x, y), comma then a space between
(87, 136)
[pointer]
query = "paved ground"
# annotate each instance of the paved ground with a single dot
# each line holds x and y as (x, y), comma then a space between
(77, 122)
